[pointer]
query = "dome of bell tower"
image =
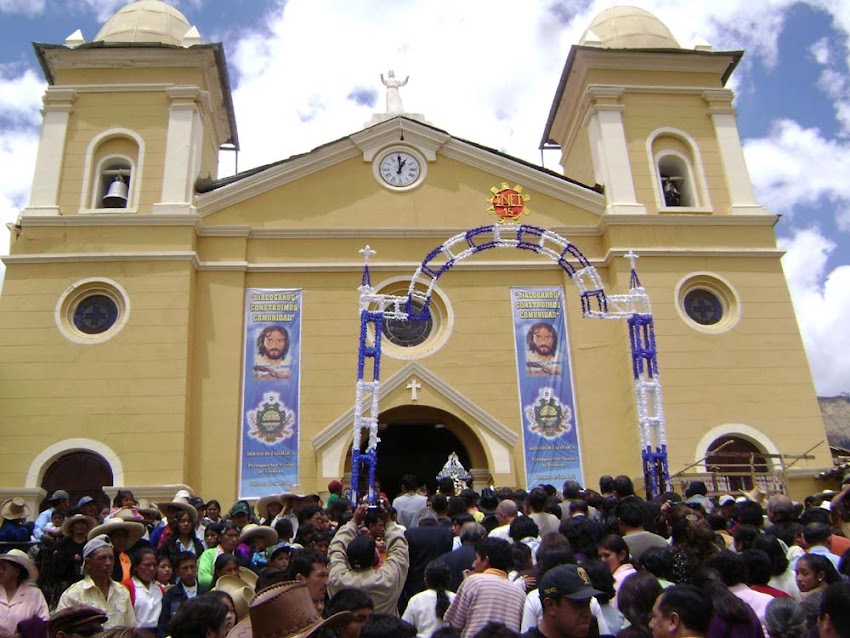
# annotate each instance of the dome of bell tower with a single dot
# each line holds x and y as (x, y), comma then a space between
(627, 27)
(145, 21)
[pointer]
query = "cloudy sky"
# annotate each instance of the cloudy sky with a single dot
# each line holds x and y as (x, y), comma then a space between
(305, 72)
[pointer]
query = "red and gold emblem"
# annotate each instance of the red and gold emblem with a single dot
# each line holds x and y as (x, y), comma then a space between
(508, 203)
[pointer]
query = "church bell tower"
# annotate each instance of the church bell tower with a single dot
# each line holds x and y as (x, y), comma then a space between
(650, 121)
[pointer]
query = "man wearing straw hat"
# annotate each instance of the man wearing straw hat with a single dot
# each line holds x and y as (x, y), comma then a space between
(97, 588)
(123, 532)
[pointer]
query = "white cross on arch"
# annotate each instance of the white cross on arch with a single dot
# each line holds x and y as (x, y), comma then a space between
(413, 386)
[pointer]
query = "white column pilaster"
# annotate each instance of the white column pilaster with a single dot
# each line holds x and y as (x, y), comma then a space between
(723, 117)
(44, 197)
(182, 151)
(610, 150)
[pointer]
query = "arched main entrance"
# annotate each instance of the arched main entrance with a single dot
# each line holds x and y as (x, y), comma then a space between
(418, 440)
(79, 473)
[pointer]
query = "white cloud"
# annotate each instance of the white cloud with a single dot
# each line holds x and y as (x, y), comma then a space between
(22, 7)
(20, 97)
(476, 69)
(102, 9)
(822, 304)
(820, 50)
(17, 158)
(795, 166)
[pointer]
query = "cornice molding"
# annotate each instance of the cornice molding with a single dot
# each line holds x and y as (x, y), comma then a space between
(130, 87)
(618, 252)
(343, 424)
(224, 231)
(58, 258)
(110, 220)
(699, 219)
(439, 234)
(537, 263)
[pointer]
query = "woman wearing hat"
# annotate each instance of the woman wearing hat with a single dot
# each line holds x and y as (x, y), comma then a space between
(19, 600)
(182, 537)
(269, 508)
(123, 534)
(14, 513)
(68, 560)
(253, 542)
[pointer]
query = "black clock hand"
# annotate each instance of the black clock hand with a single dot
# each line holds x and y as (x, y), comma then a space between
(401, 164)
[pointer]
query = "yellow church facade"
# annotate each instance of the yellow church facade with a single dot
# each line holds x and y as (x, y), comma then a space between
(123, 311)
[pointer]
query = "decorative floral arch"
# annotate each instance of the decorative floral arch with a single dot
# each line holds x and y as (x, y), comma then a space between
(633, 307)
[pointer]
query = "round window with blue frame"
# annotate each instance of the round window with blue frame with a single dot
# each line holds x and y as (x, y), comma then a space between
(408, 333)
(95, 314)
(703, 307)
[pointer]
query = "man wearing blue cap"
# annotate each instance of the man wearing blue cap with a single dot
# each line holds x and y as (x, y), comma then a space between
(565, 593)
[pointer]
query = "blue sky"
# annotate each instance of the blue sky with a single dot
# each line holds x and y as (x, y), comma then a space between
(307, 71)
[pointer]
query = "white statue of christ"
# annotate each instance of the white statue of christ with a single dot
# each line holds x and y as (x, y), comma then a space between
(393, 96)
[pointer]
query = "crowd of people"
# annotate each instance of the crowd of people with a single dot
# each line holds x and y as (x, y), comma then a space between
(504, 563)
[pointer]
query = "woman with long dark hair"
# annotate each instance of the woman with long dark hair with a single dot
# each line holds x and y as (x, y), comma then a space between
(732, 617)
(602, 579)
(145, 593)
(692, 542)
(182, 537)
(228, 541)
(426, 609)
(814, 574)
(635, 601)
(614, 552)
(213, 512)
(784, 619)
(782, 577)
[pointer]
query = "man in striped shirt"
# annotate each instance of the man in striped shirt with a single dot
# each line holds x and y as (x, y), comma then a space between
(486, 594)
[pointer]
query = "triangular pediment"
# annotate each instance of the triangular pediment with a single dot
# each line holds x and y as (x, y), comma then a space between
(472, 414)
(343, 169)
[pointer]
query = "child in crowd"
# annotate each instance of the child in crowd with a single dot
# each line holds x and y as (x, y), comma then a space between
(54, 527)
(278, 556)
(164, 570)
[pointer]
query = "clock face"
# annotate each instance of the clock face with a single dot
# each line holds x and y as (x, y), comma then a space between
(399, 169)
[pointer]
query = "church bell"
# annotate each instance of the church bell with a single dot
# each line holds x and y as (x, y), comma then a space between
(116, 196)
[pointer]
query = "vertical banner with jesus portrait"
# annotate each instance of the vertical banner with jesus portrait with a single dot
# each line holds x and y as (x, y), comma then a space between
(546, 394)
(271, 373)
